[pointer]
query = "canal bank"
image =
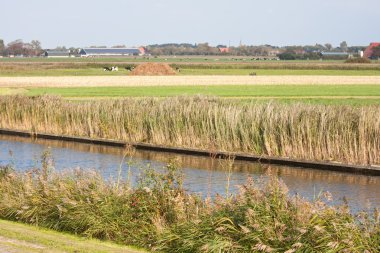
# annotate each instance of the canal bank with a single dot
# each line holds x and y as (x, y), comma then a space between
(365, 170)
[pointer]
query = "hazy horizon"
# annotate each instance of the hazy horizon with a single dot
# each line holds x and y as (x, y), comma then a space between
(145, 22)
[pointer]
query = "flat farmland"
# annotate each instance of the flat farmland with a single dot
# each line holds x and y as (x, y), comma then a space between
(322, 82)
(93, 71)
(189, 66)
(139, 81)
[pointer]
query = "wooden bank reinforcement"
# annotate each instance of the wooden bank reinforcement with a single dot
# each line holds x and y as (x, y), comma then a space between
(366, 170)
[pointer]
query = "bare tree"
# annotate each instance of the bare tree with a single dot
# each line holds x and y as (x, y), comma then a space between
(2, 47)
(119, 46)
(328, 46)
(36, 47)
(15, 47)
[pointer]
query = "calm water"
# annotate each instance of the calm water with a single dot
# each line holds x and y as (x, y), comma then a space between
(202, 174)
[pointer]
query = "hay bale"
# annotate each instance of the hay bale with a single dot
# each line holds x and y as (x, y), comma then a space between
(153, 69)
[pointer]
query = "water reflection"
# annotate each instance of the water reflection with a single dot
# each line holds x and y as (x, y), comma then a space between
(202, 174)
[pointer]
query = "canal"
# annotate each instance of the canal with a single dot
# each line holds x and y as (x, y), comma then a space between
(203, 175)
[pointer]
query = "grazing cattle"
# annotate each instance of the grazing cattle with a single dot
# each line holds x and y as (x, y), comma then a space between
(107, 69)
(178, 69)
(252, 74)
(129, 68)
(114, 68)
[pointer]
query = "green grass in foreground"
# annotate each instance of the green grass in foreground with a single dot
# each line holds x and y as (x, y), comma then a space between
(20, 238)
(320, 94)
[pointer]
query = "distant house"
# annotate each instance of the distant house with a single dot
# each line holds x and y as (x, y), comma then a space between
(111, 52)
(224, 49)
(368, 52)
(56, 53)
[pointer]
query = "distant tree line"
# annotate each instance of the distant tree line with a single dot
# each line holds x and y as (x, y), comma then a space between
(288, 52)
(20, 48)
(312, 52)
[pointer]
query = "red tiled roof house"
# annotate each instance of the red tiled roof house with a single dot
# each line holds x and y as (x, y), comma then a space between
(368, 52)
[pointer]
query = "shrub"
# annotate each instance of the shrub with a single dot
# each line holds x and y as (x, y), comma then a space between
(358, 60)
(5, 170)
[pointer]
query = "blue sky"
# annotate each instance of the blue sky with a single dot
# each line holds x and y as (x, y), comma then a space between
(141, 22)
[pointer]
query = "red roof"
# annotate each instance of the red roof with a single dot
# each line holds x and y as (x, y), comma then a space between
(224, 50)
(369, 50)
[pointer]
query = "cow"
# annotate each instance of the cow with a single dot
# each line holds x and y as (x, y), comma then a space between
(178, 69)
(114, 68)
(129, 68)
(107, 69)
(252, 74)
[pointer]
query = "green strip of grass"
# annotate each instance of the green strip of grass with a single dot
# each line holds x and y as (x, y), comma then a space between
(313, 94)
(272, 72)
(25, 238)
(216, 90)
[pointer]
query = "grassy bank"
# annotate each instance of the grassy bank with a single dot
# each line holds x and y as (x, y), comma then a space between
(314, 132)
(159, 215)
(21, 238)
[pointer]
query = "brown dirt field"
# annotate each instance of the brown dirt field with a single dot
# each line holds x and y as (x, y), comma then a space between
(119, 81)
(153, 69)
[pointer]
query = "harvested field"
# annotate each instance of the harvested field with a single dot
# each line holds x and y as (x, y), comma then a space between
(153, 69)
(119, 81)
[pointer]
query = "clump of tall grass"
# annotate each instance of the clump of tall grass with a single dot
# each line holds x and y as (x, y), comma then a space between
(339, 133)
(358, 60)
(159, 215)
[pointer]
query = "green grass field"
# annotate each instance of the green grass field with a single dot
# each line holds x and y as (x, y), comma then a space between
(270, 72)
(189, 71)
(20, 238)
(323, 94)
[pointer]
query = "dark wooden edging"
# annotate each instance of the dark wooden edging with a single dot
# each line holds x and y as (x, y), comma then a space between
(370, 170)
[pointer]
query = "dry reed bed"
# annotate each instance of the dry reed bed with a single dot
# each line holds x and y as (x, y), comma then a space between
(120, 81)
(160, 215)
(314, 132)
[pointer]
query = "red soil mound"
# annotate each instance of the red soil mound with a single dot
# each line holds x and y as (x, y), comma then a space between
(153, 69)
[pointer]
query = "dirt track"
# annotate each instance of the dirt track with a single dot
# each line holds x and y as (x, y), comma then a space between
(94, 81)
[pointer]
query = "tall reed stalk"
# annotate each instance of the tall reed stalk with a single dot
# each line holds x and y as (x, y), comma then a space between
(315, 132)
(160, 215)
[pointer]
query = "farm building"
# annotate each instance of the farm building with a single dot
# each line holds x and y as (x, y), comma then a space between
(111, 52)
(336, 55)
(368, 52)
(56, 53)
